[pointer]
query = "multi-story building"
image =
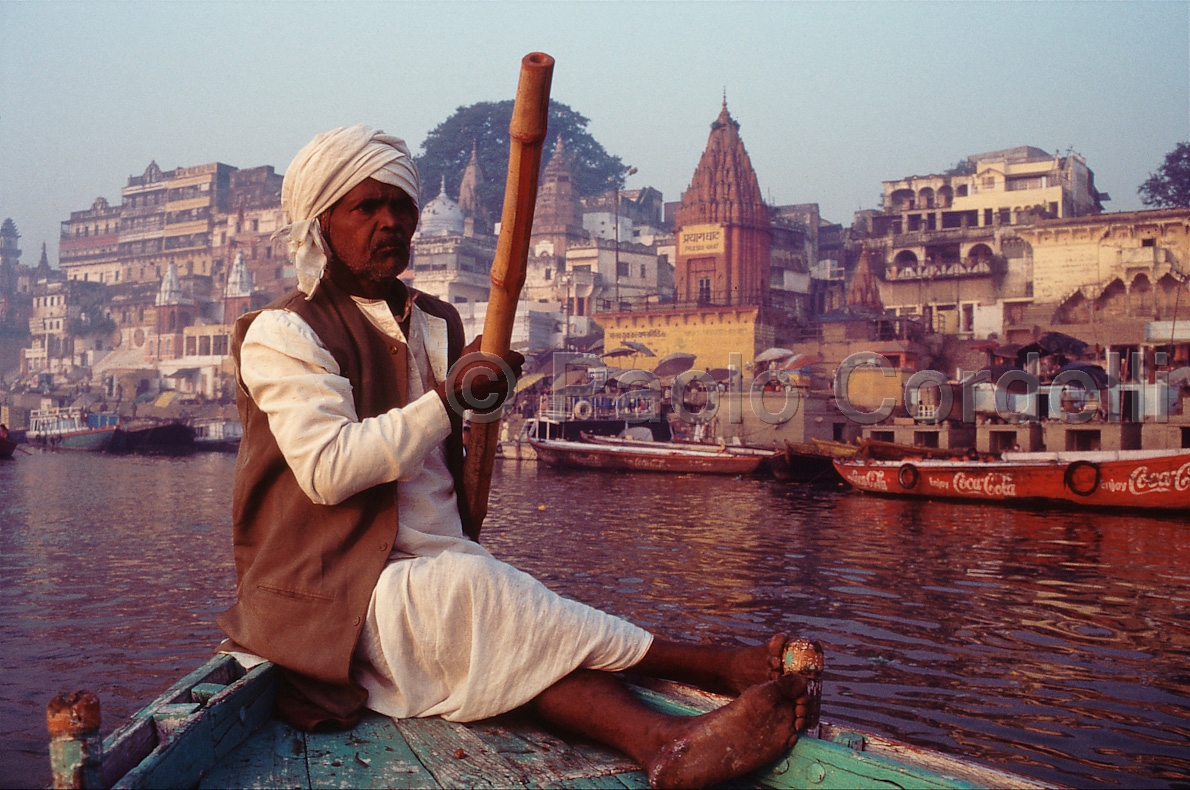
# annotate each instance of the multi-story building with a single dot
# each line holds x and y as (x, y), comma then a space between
(948, 248)
(254, 214)
(89, 245)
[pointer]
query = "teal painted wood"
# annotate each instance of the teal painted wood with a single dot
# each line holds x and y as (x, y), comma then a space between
(456, 756)
(819, 764)
(274, 757)
(210, 733)
(136, 739)
(545, 760)
(373, 754)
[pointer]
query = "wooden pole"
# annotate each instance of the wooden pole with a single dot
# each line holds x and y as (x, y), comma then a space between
(806, 658)
(76, 750)
(526, 134)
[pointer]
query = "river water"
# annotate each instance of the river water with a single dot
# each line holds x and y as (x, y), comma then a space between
(1053, 643)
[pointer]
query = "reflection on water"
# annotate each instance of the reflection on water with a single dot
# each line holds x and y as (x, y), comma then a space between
(1054, 642)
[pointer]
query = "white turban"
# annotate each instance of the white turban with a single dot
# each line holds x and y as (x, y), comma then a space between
(323, 172)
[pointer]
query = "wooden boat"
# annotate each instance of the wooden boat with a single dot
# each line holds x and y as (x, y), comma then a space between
(810, 462)
(1149, 479)
(153, 437)
(214, 729)
(642, 457)
(733, 449)
(891, 451)
(217, 435)
(7, 447)
(72, 429)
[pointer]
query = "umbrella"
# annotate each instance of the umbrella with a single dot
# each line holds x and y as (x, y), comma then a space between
(640, 348)
(673, 364)
(1097, 373)
(773, 354)
(525, 382)
(1179, 377)
(620, 351)
(798, 361)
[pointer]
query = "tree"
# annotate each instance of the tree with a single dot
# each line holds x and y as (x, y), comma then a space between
(447, 150)
(1169, 187)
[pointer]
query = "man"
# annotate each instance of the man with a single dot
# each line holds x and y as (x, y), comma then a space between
(354, 572)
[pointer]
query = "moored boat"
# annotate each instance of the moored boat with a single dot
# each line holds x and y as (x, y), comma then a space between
(153, 437)
(215, 728)
(72, 429)
(810, 462)
(1148, 479)
(217, 435)
(643, 457)
(7, 447)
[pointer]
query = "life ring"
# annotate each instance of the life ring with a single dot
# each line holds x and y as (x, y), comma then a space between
(1076, 480)
(908, 476)
(582, 410)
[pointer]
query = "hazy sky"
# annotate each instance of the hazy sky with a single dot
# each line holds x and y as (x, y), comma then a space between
(832, 97)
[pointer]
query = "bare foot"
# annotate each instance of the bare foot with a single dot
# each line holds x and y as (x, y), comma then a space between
(754, 665)
(743, 735)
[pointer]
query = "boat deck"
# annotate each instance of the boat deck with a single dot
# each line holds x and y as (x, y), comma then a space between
(214, 729)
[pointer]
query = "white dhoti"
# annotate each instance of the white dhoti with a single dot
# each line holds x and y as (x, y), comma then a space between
(465, 636)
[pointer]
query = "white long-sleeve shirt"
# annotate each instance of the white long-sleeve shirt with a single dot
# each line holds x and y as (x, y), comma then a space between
(296, 382)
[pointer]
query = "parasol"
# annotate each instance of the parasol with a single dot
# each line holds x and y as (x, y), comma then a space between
(774, 354)
(673, 364)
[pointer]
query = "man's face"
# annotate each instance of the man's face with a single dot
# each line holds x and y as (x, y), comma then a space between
(369, 230)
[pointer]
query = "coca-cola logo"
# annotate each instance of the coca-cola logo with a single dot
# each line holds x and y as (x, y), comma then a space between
(990, 484)
(873, 478)
(1142, 481)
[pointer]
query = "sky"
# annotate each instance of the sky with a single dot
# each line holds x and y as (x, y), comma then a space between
(832, 98)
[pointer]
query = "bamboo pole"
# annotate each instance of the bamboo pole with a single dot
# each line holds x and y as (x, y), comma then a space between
(526, 134)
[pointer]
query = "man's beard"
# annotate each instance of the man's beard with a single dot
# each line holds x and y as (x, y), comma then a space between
(381, 266)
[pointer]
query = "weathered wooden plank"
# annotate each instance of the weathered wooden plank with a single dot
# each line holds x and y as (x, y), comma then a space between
(634, 780)
(274, 758)
(208, 734)
(373, 754)
(456, 756)
(544, 759)
(133, 741)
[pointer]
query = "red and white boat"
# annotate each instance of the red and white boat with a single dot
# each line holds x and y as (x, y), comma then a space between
(1149, 479)
(643, 457)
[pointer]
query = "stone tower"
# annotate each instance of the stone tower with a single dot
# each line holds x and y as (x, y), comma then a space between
(237, 297)
(175, 312)
(10, 256)
(863, 292)
(556, 217)
(723, 226)
(475, 216)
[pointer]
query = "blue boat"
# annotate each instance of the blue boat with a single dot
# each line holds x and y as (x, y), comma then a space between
(215, 729)
(72, 429)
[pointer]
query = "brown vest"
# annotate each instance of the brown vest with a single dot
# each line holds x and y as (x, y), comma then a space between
(305, 572)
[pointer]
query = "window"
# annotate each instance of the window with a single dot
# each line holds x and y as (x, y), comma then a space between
(1148, 242)
(621, 269)
(704, 290)
(642, 271)
(548, 274)
(204, 345)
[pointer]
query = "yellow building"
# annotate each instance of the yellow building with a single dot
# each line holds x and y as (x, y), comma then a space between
(1105, 278)
(711, 334)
